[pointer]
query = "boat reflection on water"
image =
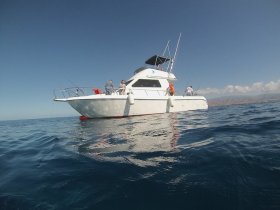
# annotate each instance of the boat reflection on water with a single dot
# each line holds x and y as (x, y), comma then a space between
(143, 140)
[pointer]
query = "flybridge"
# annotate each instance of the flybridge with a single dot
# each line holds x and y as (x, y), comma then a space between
(157, 60)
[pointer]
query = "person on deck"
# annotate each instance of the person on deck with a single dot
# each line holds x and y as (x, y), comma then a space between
(122, 87)
(109, 87)
(171, 89)
(189, 91)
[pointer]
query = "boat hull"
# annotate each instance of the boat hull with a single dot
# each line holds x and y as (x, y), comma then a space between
(123, 106)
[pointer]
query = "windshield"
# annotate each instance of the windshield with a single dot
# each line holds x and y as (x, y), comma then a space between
(129, 81)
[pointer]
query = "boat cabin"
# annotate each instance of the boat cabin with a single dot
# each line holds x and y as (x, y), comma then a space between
(150, 81)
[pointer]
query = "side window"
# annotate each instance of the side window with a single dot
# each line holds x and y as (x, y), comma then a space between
(129, 81)
(146, 83)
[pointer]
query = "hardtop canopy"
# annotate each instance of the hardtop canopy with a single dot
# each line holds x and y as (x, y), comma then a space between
(156, 60)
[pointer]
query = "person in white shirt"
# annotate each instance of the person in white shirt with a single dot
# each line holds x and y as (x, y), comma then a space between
(189, 91)
(122, 87)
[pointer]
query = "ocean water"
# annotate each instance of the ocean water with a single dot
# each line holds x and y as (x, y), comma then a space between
(224, 158)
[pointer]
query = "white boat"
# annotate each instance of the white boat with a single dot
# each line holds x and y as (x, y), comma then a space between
(146, 93)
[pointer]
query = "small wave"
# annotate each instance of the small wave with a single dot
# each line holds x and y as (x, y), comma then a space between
(261, 119)
(196, 144)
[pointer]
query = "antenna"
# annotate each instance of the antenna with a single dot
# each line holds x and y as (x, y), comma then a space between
(173, 59)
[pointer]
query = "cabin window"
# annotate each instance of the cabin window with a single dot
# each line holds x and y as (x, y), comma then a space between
(129, 81)
(146, 83)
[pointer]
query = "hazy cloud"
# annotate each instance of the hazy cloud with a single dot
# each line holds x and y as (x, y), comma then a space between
(255, 88)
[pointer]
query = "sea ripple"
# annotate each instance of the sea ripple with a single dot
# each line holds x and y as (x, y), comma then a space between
(223, 158)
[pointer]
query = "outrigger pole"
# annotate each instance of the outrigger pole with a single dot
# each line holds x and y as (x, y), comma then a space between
(167, 48)
(173, 59)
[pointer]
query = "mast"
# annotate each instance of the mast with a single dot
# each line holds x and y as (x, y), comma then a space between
(173, 59)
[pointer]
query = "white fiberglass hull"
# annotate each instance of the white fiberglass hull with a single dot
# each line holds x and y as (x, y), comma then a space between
(98, 106)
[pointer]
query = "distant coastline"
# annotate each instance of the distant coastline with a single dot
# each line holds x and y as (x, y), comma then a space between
(232, 100)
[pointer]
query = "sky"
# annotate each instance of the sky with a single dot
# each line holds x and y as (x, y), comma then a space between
(227, 47)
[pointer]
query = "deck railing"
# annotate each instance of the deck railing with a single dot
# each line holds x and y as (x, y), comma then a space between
(72, 92)
(85, 91)
(79, 91)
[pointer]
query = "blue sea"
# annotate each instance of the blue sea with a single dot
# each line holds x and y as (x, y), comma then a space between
(225, 158)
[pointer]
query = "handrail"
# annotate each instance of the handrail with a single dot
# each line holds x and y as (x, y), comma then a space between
(76, 92)
(63, 93)
(72, 92)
